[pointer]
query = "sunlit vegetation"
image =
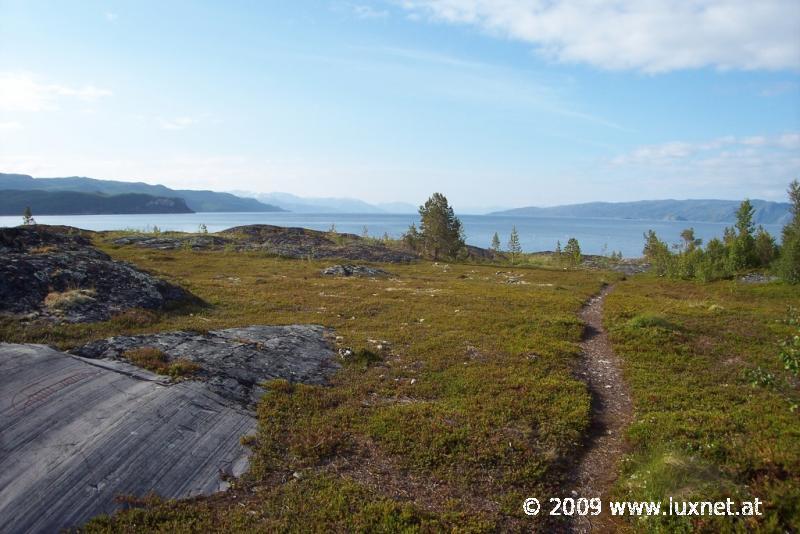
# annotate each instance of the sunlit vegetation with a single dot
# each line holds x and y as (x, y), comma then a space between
(716, 400)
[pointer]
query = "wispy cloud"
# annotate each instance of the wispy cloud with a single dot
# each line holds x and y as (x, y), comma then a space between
(23, 92)
(779, 88)
(364, 11)
(360, 11)
(178, 123)
(458, 78)
(10, 125)
(432, 57)
(111, 17)
(757, 166)
(651, 36)
(729, 146)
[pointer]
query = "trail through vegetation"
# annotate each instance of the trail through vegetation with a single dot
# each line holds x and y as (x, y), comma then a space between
(611, 412)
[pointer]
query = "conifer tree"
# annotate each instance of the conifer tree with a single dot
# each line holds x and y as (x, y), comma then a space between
(441, 232)
(573, 251)
(789, 260)
(27, 217)
(495, 243)
(514, 246)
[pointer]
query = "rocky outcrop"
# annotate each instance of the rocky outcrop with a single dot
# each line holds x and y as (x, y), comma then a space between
(80, 429)
(355, 270)
(54, 272)
(76, 435)
(172, 242)
(234, 362)
(287, 242)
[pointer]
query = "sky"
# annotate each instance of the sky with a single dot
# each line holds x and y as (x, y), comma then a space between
(495, 103)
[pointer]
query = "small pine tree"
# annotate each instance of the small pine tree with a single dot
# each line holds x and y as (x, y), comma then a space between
(365, 232)
(412, 238)
(742, 254)
(514, 246)
(495, 243)
(657, 253)
(689, 241)
(789, 260)
(27, 217)
(728, 236)
(573, 251)
(765, 248)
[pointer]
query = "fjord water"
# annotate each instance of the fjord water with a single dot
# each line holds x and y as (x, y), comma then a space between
(596, 236)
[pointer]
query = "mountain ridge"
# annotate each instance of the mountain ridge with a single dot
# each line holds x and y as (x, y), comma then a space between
(196, 200)
(298, 204)
(698, 210)
(14, 201)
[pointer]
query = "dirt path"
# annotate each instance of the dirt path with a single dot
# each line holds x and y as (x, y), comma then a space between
(596, 471)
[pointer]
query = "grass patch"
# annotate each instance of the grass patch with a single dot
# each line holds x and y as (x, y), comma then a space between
(650, 320)
(156, 360)
(715, 412)
(68, 300)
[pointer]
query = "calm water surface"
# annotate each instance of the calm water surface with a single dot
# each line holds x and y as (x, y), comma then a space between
(596, 236)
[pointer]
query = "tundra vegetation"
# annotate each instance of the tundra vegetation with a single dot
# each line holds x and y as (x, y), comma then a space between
(458, 396)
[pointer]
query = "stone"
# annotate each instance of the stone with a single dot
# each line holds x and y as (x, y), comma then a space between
(355, 270)
(57, 273)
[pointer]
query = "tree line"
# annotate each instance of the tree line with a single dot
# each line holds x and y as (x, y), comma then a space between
(742, 247)
(441, 235)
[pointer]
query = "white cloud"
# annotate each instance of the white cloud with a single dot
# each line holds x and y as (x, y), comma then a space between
(647, 35)
(178, 123)
(22, 92)
(8, 126)
(756, 166)
(111, 17)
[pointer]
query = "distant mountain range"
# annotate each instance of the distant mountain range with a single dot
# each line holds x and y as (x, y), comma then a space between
(298, 204)
(766, 212)
(108, 196)
(14, 202)
(195, 200)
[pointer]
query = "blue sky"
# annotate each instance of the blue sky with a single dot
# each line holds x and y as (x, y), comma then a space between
(494, 103)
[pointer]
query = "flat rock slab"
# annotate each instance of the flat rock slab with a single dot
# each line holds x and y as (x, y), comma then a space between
(234, 362)
(74, 435)
(355, 270)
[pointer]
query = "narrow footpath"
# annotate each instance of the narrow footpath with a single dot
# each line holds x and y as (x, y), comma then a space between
(611, 412)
